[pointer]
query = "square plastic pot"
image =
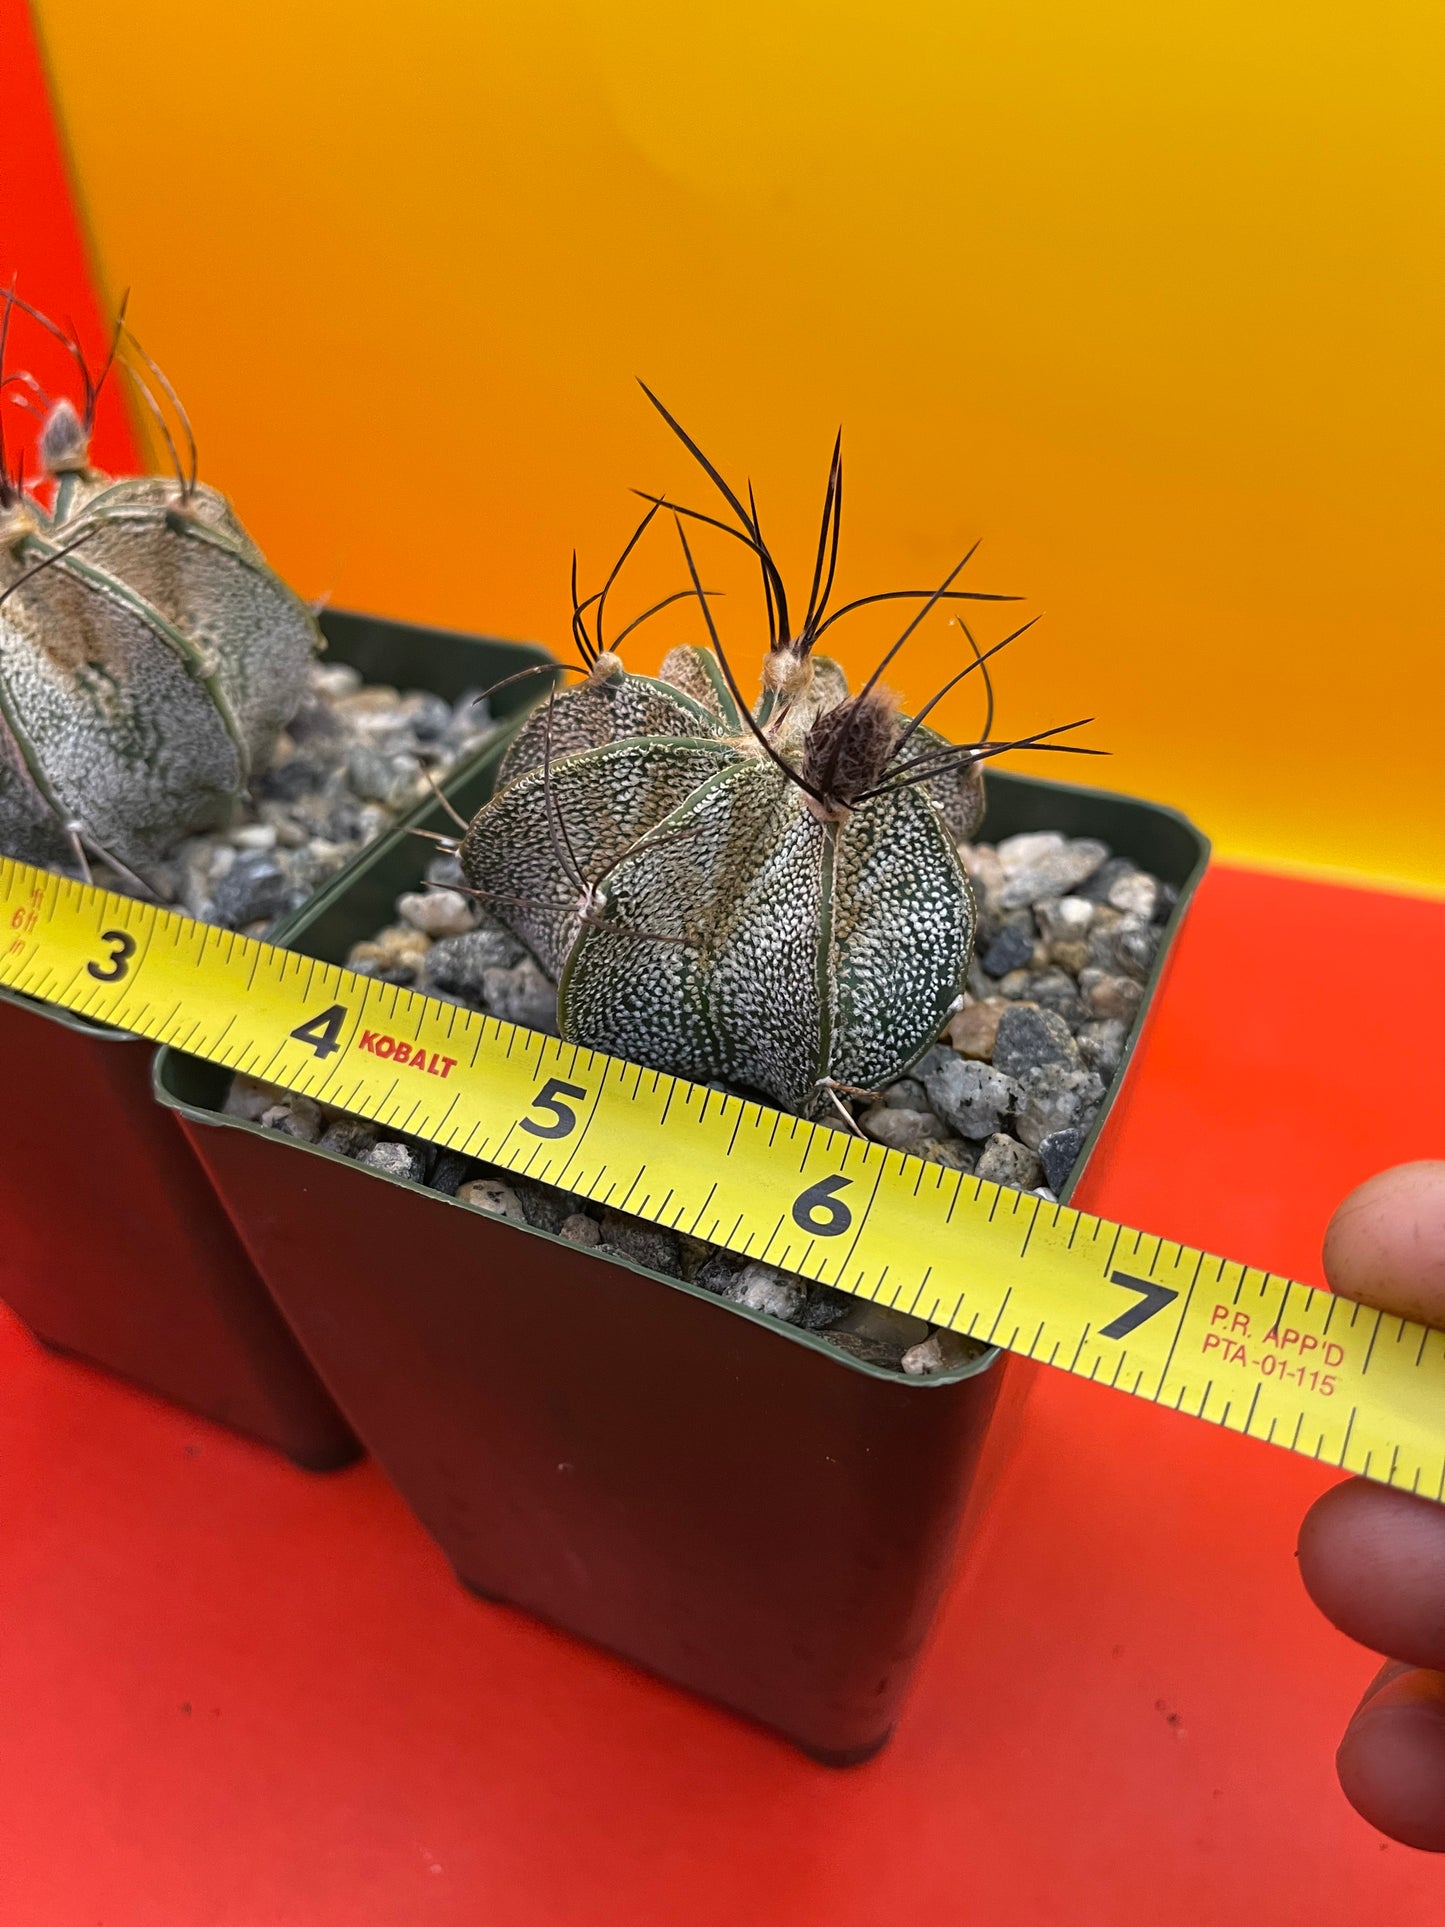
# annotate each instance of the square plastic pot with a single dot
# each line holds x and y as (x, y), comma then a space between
(726, 1501)
(113, 1246)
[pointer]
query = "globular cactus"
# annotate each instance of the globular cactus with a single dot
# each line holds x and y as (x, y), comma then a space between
(148, 656)
(770, 898)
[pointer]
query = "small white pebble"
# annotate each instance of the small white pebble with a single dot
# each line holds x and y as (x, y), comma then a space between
(1065, 919)
(761, 1288)
(249, 1100)
(1022, 851)
(335, 679)
(295, 1117)
(398, 943)
(490, 1194)
(941, 1351)
(439, 913)
(255, 836)
(1136, 894)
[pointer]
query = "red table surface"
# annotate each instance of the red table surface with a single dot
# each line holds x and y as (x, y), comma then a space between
(233, 1695)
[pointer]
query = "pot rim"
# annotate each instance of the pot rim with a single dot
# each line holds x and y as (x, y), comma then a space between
(295, 926)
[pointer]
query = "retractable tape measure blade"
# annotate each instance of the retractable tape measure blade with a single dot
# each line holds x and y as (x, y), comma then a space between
(1218, 1340)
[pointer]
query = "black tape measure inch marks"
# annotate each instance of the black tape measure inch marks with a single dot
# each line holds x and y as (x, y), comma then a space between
(1218, 1340)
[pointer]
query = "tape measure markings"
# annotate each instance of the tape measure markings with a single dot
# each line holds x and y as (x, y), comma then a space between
(970, 1255)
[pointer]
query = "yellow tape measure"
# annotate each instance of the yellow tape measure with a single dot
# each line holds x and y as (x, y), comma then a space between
(1218, 1340)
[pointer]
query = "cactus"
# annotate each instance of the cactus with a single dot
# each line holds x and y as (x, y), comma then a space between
(148, 656)
(772, 899)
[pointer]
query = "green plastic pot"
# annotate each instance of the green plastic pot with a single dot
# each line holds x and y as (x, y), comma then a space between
(731, 1503)
(115, 1247)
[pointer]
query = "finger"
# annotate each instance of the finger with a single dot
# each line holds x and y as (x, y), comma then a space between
(1374, 1562)
(1386, 1243)
(1392, 1759)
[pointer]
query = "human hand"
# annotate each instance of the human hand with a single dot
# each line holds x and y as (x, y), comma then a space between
(1373, 1558)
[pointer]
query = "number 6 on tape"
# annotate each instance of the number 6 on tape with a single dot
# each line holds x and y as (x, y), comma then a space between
(820, 1209)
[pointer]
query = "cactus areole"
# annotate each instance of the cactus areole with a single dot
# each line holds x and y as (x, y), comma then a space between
(148, 656)
(769, 897)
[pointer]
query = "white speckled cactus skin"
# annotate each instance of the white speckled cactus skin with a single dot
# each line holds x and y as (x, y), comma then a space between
(148, 660)
(725, 930)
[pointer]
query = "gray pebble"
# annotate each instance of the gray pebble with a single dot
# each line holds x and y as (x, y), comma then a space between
(868, 1351)
(300, 775)
(1028, 1037)
(971, 1097)
(1058, 1154)
(521, 995)
(348, 1136)
(1101, 1045)
(450, 1172)
(888, 1327)
(1105, 877)
(899, 1130)
(1041, 864)
(546, 1208)
(1011, 949)
(718, 1273)
(1016, 853)
(369, 774)
(445, 870)
(256, 886)
(1056, 1097)
(428, 716)
(985, 872)
(1065, 919)
(1004, 1160)
(1125, 947)
(1136, 894)
(395, 1160)
(248, 1100)
(906, 1094)
(980, 985)
(951, 1152)
(295, 1117)
(335, 680)
(1054, 989)
(825, 1308)
(645, 1244)
(579, 1229)
(459, 964)
(1136, 946)
(1109, 996)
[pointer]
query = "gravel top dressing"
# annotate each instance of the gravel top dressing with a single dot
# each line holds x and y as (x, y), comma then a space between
(1067, 935)
(355, 758)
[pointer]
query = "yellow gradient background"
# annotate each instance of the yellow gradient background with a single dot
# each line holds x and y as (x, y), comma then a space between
(1148, 297)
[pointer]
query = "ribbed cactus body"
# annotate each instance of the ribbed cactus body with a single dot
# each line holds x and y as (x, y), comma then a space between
(725, 928)
(145, 669)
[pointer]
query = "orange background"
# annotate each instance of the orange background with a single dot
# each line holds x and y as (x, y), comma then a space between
(1148, 298)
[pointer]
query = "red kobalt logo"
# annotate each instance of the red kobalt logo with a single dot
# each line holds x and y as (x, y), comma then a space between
(402, 1052)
